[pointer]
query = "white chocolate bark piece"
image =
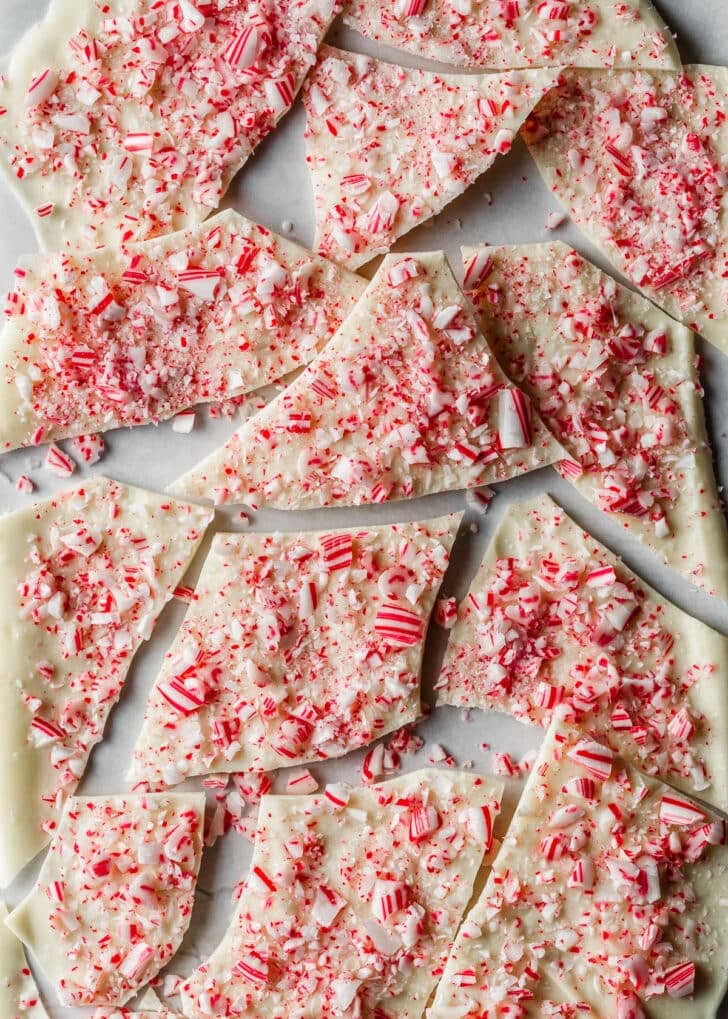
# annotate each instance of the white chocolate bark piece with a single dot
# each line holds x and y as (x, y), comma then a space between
(390, 147)
(527, 33)
(405, 400)
(109, 338)
(129, 120)
(83, 578)
(604, 894)
(106, 1012)
(149, 1007)
(295, 648)
(146, 1012)
(615, 380)
(114, 895)
(554, 621)
(639, 161)
(352, 900)
(19, 997)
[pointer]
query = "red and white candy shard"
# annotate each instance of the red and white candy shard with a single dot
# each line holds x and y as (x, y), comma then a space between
(605, 906)
(107, 339)
(343, 911)
(114, 896)
(390, 147)
(555, 623)
(615, 380)
(405, 400)
(19, 997)
(520, 33)
(83, 577)
(147, 112)
(296, 648)
(639, 159)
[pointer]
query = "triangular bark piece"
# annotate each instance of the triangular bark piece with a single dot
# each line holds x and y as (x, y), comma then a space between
(352, 900)
(406, 400)
(149, 1002)
(106, 339)
(296, 648)
(114, 895)
(638, 159)
(126, 123)
(554, 621)
(83, 578)
(148, 1007)
(505, 35)
(601, 902)
(615, 380)
(389, 147)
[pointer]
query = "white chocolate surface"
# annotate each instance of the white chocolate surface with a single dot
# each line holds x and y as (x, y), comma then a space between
(19, 997)
(126, 122)
(643, 177)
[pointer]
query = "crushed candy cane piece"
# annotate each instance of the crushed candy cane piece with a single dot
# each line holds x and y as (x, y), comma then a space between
(24, 484)
(41, 87)
(679, 811)
(424, 821)
(504, 765)
(301, 781)
(446, 612)
(594, 757)
(90, 448)
(184, 423)
(373, 764)
(59, 462)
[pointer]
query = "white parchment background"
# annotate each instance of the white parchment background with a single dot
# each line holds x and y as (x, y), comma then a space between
(273, 188)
